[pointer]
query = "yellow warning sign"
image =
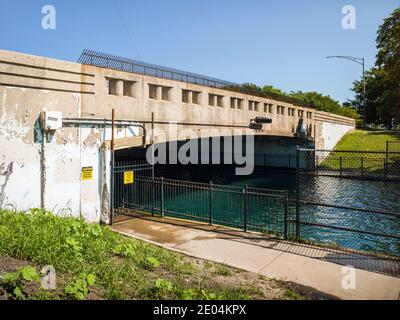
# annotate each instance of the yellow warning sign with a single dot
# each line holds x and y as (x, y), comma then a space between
(87, 173)
(129, 177)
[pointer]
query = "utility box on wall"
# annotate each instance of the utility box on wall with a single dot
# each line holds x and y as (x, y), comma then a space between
(51, 120)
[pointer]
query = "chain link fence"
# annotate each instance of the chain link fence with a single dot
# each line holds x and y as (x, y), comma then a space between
(349, 199)
(393, 146)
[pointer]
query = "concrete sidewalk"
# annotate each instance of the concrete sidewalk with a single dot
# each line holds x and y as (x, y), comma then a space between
(306, 265)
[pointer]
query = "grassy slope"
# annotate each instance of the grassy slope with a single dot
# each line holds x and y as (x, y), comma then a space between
(366, 140)
(361, 140)
(123, 268)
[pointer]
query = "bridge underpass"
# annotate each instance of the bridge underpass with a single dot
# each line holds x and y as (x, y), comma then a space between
(185, 180)
(268, 152)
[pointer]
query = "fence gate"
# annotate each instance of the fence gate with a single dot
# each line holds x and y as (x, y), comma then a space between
(349, 199)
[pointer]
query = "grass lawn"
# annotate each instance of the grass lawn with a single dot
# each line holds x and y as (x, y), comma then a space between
(362, 140)
(94, 262)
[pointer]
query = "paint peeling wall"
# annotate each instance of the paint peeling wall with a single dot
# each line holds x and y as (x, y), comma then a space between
(64, 152)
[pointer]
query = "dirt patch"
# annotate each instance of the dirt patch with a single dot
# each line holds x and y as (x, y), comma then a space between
(257, 286)
(213, 276)
(9, 265)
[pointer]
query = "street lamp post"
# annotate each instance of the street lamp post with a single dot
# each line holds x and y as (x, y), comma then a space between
(360, 61)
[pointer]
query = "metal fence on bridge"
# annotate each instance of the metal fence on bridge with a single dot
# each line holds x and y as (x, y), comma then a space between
(349, 199)
(104, 60)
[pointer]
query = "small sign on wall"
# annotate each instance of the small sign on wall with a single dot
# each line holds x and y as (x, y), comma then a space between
(129, 177)
(51, 120)
(87, 173)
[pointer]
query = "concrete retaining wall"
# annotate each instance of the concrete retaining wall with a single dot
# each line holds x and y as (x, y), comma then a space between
(330, 128)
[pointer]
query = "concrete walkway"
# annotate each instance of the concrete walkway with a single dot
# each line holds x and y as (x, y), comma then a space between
(306, 265)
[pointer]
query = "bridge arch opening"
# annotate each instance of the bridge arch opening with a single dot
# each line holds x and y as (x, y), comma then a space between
(272, 157)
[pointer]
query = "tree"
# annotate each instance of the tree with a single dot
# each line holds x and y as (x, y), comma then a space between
(304, 99)
(388, 61)
(252, 88)
(383, 81)
(325, 103)
(271, 89)
(374, 106)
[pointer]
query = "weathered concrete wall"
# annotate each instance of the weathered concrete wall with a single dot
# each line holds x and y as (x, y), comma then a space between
(29, 85)
(330, 129)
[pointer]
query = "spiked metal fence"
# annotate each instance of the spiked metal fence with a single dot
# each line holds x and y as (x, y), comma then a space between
(109, 61)
(349, 199)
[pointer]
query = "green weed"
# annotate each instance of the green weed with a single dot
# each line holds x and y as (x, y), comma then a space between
(80, 287)
(13, 282)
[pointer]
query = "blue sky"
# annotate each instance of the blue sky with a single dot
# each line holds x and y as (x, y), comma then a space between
(283, 43)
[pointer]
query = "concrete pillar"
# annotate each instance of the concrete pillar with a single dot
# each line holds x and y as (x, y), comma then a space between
(119, 88)
(235, 103)
(159, 93)
(225, 102)
(240, 104)
(105, 176)
(132, 89)
(190, 96)
(174, 95)
(215, 100)
(202, 99)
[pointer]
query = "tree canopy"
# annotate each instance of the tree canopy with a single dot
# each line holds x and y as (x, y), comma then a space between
(326, 103)
(383, 80)
(306, 99)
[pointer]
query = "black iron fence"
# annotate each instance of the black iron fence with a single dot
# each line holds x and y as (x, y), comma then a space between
(247, 209)
(343, 198)
(349, 199)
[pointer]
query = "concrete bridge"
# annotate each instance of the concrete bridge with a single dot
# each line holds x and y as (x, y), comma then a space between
(45, 169)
